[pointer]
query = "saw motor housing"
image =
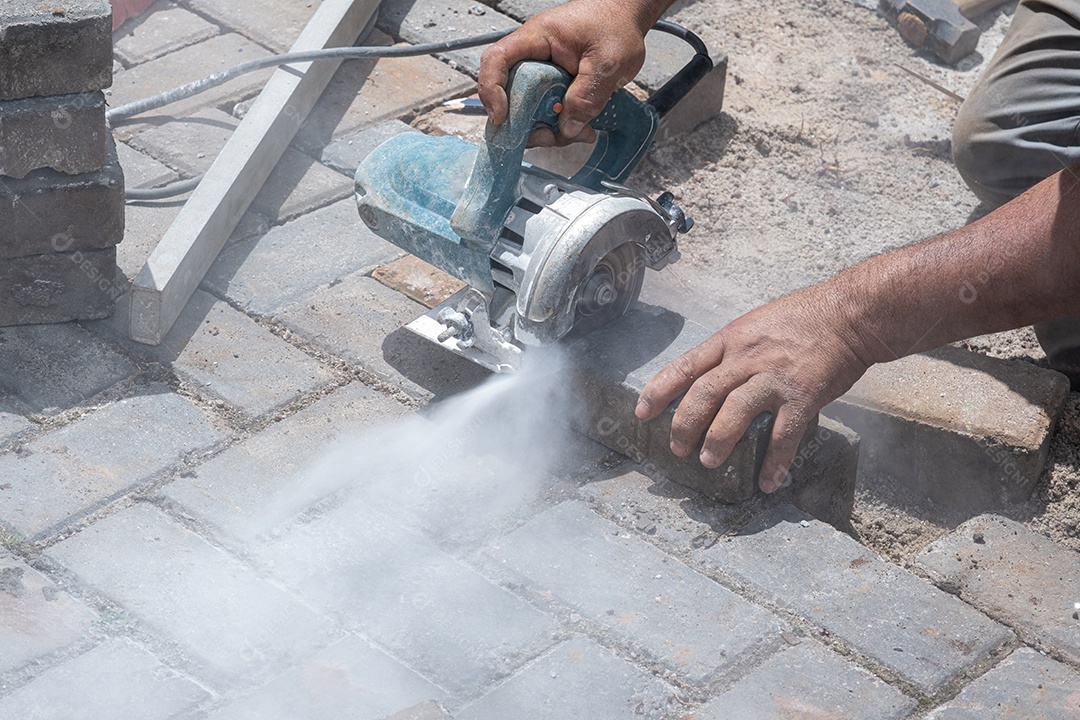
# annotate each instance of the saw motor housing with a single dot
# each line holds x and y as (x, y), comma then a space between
(542, 255)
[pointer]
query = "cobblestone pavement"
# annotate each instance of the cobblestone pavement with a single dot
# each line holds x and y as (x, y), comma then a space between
(143, 574)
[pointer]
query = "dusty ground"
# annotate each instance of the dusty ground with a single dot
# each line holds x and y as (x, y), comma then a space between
(828, 153)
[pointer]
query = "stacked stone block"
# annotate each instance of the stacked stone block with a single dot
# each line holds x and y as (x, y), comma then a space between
(61, 186)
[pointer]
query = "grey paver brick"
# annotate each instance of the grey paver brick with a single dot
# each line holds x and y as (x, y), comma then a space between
(610, 367)
(189, 144)
(316, 250)
(428, 710)
(419, 22)
(87, 687)
(191, 63)
(962, 428)
(43, 53)
(65, 133)
(82, 285)
(433, 612)
(363, 93)
(36, 617)
(99, 456)
(190, 592)
(350, 679)
(145, 226)
(1025, 686)
(272, 23)
(11, 423)
(53, 212)
(808, 681)
(254, 482)
(163, 28)
(227, 354)
(57, 366)
(636, 593)
(345, 154)
(577, 679)
(1013, 574)
(882, 611)
(142, 171)
(299, 185)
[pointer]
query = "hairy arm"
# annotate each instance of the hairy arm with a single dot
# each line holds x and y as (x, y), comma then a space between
(1017, 266)
(600, 42)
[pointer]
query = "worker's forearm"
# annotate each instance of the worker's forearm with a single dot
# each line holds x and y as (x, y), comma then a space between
(647, 12)
(1017, 266)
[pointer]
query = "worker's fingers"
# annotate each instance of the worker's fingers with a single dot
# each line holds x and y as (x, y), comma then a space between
(544, 136)
(678, 376)
(594, 82)
(741, 406)
(787, 432)
(697, 409)
(495, 64)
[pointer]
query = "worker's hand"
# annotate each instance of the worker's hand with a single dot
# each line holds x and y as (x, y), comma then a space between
(789, 357)
(600, 42)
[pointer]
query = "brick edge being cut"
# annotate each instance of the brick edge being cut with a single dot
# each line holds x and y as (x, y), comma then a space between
(609, 368)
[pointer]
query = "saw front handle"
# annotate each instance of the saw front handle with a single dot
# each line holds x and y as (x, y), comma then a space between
(535, 91)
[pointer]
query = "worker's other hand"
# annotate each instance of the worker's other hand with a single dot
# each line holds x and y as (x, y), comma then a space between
(599, 42)
(789, 357)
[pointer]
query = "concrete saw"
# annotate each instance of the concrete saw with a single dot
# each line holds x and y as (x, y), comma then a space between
(543, 256)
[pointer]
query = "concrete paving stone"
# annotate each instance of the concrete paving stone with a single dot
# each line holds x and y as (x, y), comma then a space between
(218, 53)
(346, 154)
(925, 636)
(432, 612)
(1015, 575)
(315, 251)
(824, 472)
(353, 319)
(272, 23)
(350, 679)
(64, 133)
(363, 93)
(417, 280)
(808, 681)
(228, 355)
(52, 212)
(188, 144)
(299, 185)
(12, 424)
(246, 489)
(577, 679)
(1025, 686)
(143, 171)
(965, 429)
(80, 285)
(163, 28)
(679, 518)
(44, 53)
(36, 617)
(87, 687)
(191, 593)
(103, 454)
(610, 368)
(429, 710)
(418, 22)
(57, 366)
(638, 595)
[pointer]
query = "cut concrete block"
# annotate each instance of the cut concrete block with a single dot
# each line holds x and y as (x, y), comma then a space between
(1014, 575)
(612, 366)
(824, 473)
(51, 212)
(58, 287)
(65, 133)
(54, 48)
(964, 429)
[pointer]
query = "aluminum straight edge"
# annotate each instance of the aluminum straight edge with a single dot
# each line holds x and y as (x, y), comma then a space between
(192, 243)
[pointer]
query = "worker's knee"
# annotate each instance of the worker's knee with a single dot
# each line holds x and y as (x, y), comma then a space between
(988, 157)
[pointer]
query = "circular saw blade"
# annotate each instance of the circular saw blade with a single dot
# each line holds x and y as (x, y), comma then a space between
(610, 288)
